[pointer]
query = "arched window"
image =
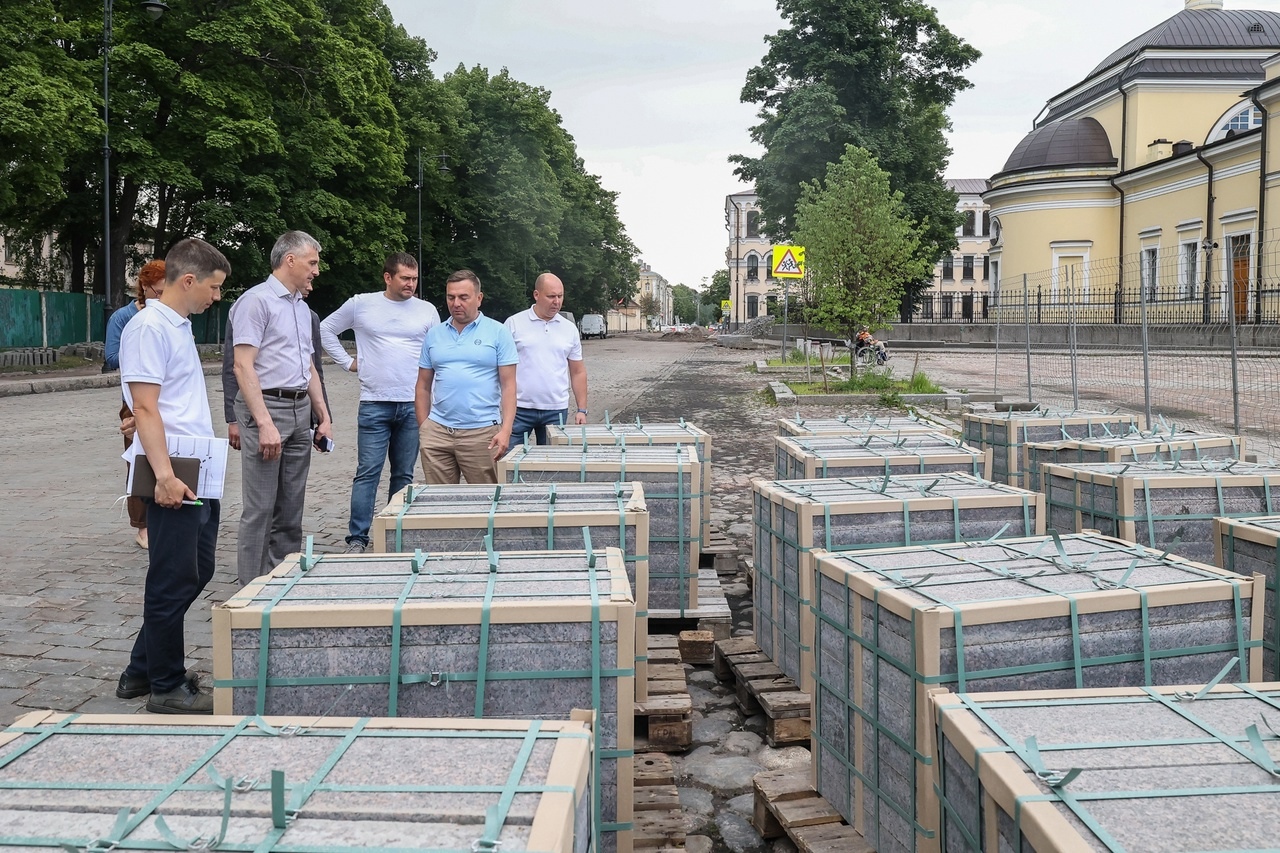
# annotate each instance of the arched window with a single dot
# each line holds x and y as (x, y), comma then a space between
(753, 267)
(1243, 116)
(768, 265)
(753, 223)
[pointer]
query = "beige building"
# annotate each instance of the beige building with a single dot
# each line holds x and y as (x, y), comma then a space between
(653, 284)
(749, 258)
(962, 278)
(1155, 180)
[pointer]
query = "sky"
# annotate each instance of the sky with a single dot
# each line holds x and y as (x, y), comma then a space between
(650, 90)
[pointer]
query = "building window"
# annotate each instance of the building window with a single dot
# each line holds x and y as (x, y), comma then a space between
(948, 268)
(1150, 268)
(1188, 270)
(967, 272)
(986, 222)
(771, 306)
(753, 223)
(926, 307)
(753, 267)
(995, 275)
(986, 268)
(1243, 116)
(768, 265)
(948, 308)
(753, 306)
(969, 217)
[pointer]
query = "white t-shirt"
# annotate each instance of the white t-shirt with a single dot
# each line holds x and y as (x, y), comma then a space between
(157, 347)
(389, 336)
(546, 347)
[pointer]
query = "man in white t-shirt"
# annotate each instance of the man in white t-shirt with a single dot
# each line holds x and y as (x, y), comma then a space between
(550, 364)
(390, 326)
(164, 385)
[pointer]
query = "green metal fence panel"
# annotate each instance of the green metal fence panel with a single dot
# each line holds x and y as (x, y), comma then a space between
(68, 317)
(98, 319)
(209, 327)
(20, 318)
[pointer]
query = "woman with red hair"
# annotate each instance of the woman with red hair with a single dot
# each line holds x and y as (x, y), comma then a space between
(150, 285)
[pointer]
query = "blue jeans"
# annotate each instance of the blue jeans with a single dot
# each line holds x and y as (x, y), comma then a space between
(535, 421)
(386, 431)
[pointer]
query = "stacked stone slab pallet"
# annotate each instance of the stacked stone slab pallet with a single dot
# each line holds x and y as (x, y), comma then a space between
(672, 479)
(1161, 445)
(1135, 770)
(1036, 613)
(795, 517)
(294, 783)
(876, 455)
(1006, 433)
(1161, 505)
(639, 434)
(855, 425)
(785, 802)
(529, 635)
(527, 517)
(1251, 546)
(760, 687)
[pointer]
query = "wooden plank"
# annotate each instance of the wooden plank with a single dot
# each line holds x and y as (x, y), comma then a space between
(679, 703)
(778, 786)
(653, 768)
(749, 657)
(726, 649)
(657, 798)
(750, 671)
(663, 641)
(668, 688)
(657, 829)
(831, 838)
(663, 656)
(670, 733)
(761, 686)
(785, 703)
(787, 731)
(812, 811)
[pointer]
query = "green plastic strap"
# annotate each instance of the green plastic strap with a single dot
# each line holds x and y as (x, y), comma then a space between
(397, 629)
(493, 511)
(306, 560)
(486, 608)
(496, 815)
(409, 496)
(200, 842)
(41, 735)
(586, 545)
(264, 642)
(551, 517)
(279, 818)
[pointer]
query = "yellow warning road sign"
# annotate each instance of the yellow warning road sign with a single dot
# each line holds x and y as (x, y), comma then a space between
(788, 262)
(726, 305)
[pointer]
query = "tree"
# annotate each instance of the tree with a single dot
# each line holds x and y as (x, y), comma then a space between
(861, 248)
(717, 292)
(878, 74)
(684, 303)
(649, 308)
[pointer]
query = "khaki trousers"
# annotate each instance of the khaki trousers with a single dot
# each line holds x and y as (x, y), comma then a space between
(449, 453)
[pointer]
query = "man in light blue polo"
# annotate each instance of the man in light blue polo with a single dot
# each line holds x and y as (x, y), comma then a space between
(465, 399)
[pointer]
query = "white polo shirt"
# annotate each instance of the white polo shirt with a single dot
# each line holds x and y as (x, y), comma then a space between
(157, 348)
(545, 347)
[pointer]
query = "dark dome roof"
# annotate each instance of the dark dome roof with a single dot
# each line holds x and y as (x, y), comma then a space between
(1071, 142)
(1204, 28)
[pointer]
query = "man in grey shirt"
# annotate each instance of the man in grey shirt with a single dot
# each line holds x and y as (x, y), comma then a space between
(278, 393)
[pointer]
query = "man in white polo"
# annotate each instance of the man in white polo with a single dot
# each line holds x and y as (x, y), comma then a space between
(390, 326)
(550, 364)
(164, 385)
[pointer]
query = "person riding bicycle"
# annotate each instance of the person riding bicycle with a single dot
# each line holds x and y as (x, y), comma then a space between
(863, 341)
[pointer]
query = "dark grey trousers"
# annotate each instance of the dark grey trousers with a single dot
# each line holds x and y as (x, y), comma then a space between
(273, 491)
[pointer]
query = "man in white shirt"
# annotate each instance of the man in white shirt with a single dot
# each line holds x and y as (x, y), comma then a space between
(550, 364)
(390, 326)
(164, 385)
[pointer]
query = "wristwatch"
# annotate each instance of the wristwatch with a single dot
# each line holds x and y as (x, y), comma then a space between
(582, 411)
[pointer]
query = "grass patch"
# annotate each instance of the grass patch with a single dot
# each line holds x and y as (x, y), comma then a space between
(66, 362)
(871, 382)
(795, 358)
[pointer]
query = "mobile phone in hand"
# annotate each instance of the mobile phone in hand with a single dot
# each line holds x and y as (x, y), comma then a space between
(324, 444)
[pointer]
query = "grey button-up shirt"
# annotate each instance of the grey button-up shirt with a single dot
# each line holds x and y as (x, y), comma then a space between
(268, 316)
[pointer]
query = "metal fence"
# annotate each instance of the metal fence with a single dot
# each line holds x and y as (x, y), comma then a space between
(51, 318)
(1192, 336)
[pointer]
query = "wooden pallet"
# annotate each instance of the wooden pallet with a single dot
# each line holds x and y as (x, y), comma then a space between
(718, 553)
(787, 804)
(658, 824)
(697, 647)
(761, 687)
(712, 613)
(666, 717)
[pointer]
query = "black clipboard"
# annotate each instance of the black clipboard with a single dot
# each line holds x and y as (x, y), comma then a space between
(144, 478)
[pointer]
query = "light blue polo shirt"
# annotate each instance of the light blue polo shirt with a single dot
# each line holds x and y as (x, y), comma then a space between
(466, 393)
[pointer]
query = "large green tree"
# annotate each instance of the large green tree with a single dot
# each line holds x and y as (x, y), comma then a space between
(684, 303)
(861, 248)
(717, 291)
(878, 74)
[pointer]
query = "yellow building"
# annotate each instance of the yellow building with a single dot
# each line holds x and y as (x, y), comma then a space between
(653, 285)
(749, 258)
(1152, 180)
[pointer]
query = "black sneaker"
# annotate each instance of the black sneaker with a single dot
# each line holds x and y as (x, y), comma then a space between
(132, 686)
(183, 699)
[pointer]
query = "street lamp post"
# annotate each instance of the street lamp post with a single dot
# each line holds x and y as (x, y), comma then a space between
(443, 169)
(154, 8)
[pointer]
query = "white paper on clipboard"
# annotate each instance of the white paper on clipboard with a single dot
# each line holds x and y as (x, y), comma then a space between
(211, 451)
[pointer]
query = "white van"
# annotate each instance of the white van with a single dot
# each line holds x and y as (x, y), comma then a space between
(592, 326)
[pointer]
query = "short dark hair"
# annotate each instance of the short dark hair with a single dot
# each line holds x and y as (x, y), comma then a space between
(195, 257)
(464, 275)
(395, 260)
